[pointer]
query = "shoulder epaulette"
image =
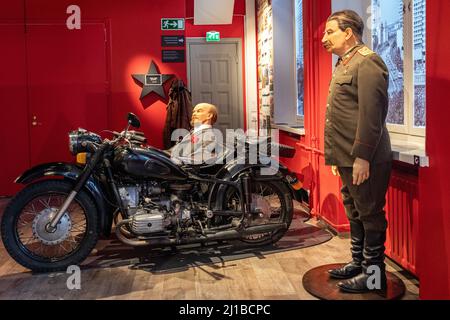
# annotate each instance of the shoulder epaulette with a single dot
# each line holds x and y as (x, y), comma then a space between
(365, 51)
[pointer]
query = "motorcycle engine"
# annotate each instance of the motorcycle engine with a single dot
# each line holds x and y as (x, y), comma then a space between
(148, 222)
(153, 210)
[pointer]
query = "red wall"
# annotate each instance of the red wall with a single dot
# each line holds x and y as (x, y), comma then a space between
(134, 34)
(434, 182)
(135, 39)
(14, 129)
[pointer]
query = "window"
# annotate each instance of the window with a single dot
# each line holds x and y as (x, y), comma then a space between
(395, 29)
(398, 35)
(419, 62)
(299, 56)
(387, 41)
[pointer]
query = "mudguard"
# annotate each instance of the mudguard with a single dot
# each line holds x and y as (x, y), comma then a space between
(71, 172)
(233, 169)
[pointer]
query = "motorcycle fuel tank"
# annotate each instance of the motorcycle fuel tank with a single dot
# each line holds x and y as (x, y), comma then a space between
(147, 163)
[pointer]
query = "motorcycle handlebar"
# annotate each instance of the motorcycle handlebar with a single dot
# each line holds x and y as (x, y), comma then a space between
(129, 136)
(138, 138)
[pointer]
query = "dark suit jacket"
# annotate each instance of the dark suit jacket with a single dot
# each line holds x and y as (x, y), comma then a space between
(355, 124)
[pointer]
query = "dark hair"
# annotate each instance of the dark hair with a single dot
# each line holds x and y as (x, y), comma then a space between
(349, 19)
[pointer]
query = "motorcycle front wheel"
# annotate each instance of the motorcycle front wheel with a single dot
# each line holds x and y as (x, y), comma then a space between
(24, 222)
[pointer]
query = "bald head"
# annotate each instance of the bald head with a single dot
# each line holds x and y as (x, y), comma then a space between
(204, 113)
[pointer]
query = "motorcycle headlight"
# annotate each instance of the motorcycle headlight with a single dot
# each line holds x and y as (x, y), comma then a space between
(73, 139)
(73, 142)
(76, 138)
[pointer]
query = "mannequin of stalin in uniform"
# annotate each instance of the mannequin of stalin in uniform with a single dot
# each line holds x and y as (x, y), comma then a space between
(358, 148)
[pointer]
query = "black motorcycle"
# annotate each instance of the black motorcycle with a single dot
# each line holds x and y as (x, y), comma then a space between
(56, 220)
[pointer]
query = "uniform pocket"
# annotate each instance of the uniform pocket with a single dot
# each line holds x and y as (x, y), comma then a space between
(341, 80)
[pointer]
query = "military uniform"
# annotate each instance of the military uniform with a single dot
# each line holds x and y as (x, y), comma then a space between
(356, 110)
(355, 127)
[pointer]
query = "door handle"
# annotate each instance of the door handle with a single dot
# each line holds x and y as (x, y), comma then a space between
(34, 123)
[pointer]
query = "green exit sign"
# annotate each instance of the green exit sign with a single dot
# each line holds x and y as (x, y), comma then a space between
(172, 24)
(212, 36)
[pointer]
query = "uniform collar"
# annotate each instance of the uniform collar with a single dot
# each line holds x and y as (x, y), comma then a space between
(349, 54)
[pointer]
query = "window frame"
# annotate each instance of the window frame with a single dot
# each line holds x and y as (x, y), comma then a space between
(407, 131)
(414, 131)
(300, 119)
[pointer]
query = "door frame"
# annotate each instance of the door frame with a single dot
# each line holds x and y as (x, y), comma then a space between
(238, 42)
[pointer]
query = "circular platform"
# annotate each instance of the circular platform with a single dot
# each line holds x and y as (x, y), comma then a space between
(318, 282)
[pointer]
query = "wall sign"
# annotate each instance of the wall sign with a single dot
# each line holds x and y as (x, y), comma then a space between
(172, 24)
(172, 41)
(212, 36)
(172, 55)
(152, 81)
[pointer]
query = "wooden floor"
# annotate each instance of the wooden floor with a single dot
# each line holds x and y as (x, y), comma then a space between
(275, 276)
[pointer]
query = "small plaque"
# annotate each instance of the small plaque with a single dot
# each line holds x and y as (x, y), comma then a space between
(172, 41)
(173, 55)
(153, 80)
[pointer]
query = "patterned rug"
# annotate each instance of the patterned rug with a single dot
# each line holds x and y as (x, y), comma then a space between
(112, 253)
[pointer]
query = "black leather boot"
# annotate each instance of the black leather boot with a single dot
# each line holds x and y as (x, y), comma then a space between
(373, 266)
(357, 241)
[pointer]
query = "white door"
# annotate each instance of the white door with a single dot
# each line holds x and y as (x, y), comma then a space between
(214, 71)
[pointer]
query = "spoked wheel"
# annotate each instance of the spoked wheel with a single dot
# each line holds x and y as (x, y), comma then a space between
(29, 241)
(273, 201)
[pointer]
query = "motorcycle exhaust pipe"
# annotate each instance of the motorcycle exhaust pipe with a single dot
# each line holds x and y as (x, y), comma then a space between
(222, 235)
(271, 227)
(238, 234)
(130, 242)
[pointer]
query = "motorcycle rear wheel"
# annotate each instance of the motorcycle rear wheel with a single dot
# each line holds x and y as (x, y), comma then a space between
(278, 196)
(24, 219)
